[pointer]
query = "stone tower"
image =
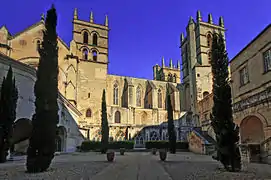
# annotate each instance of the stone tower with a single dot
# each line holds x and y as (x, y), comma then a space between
(88, 67)
(196, 55)
(169, 73)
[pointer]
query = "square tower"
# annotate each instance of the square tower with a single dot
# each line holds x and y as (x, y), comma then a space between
(196, 56)
(90, 47)
(169, 73)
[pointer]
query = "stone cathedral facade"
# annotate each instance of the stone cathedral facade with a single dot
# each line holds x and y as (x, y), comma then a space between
(132, 103)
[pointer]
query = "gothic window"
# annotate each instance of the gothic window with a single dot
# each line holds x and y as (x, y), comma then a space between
(205, 93)
(209, 56)
(159, 98)
(138, 96)
(209, 40)
(95, 39)
(38, 45)
(85, 38)
(85, 54)
(170, 78)
(174, 78)
(88, 113)
(23, 42)
(117, 117)
(116, 94)
(94, 54)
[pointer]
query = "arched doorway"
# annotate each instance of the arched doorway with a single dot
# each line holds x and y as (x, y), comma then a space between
(252, 134)
(61, 139)
(251, 130)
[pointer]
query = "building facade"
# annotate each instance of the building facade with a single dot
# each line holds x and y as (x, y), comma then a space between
(83, 74)
(69, 135)
(251, 92)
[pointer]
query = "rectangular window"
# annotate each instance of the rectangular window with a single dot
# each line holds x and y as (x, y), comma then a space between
(267, 60)
(244, 78)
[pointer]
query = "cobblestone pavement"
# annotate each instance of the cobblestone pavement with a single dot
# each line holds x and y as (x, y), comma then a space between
(133, 166)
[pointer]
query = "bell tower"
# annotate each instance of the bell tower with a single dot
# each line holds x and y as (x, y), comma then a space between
(90, 46)
(196, 56)
(90, 40)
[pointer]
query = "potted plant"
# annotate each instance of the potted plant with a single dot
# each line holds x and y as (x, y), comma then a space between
(154, 150)
(110, 156)
(122, 150)
(163, 154)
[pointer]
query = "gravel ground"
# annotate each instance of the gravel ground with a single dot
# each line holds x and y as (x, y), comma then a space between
(188, 166)
(133, 166)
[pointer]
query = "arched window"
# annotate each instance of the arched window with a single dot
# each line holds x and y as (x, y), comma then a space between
(170, 78)
(85, 38)
(174, 78)
(95, 39)
(159, 98)
(94, 55)
(85, 54)
(88, 113)
(117, 117)
(209, 40)
(116, 94)
(38, 45)
(209, 56)
(205, 93)
(138, 96)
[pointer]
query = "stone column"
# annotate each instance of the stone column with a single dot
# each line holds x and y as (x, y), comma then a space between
(154, 99)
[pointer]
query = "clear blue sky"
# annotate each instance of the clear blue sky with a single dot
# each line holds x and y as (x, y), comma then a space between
(142, 31)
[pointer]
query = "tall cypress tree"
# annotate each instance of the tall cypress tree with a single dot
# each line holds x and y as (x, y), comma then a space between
(171, 127)
(222, 120)
(105, 128)
(8, 105)
(42, 141)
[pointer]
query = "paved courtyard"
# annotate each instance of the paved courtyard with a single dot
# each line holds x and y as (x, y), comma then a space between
(132, 166)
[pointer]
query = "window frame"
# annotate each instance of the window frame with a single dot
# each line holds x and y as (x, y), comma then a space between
(267, 60)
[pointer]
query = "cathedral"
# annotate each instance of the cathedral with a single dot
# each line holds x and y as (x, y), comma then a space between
(132, 103)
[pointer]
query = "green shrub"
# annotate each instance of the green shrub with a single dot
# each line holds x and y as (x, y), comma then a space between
(165, 144)
(96, 145)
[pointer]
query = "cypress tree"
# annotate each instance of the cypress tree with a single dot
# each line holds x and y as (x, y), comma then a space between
(42, 141)
(105, 128)
(8, 105)
(171, 127)
(227, 133)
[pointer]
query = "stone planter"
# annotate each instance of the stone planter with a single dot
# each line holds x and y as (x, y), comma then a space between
(110, 156)
(153, 151)
(122, 150)
(163, 155)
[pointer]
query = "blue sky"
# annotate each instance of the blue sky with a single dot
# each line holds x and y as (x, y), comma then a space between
(142, 31)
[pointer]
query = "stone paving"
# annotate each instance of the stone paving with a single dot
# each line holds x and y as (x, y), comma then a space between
(133, 166)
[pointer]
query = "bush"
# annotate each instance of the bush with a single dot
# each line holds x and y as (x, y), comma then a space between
(165, 145)
(96, 145)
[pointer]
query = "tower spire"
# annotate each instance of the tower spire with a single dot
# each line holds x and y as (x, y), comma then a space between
(182, 37)
(191, 21)
(210, 18)
(75, 16)
(163, 61)
(42, 17)
(178, 64)
(106, 20)
(91, 17)
(221, 21)
(170, 63)
(199, 18)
